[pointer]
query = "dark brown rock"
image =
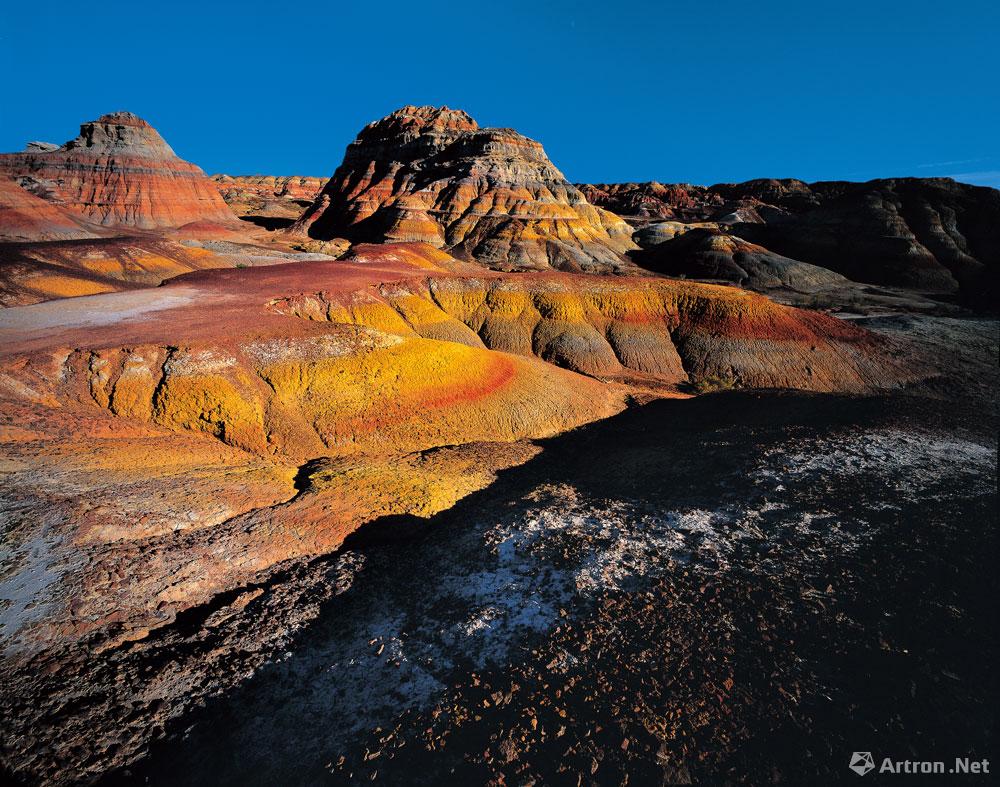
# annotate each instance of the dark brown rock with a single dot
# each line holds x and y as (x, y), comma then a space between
(714, 254)
(929, 234)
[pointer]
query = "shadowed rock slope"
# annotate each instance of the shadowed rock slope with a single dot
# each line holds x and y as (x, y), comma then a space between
(486, 194)
(927, 234)
(713, 254)
(930, 234)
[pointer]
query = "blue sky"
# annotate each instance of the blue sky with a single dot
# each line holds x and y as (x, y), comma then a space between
(691, 92)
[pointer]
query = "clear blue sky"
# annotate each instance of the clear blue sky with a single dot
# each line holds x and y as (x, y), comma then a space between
(693, 91)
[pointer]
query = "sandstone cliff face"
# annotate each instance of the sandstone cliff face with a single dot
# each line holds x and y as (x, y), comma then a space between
(119, 172)
(486, 194)
(930, 234)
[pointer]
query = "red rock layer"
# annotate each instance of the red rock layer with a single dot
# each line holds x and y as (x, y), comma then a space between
(652, 200)
(486, 194)
(119, 172)
(25, 217)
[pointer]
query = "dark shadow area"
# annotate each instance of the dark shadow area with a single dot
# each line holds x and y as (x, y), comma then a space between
(759, 677)
(270, 223)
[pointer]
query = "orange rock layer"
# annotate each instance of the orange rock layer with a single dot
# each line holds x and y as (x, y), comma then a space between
(267, 195)
(654, 331)
(33, 272)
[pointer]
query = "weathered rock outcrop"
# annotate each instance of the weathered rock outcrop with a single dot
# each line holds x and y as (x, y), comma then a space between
(268, 200)
(930, 234)
(713, 254)
(642, 202)
(659, 232)
(647, 332)
(119, 172)
(486, 194)
(34, 272)
(927, 234)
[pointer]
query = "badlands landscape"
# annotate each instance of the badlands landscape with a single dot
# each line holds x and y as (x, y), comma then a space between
(447, 470)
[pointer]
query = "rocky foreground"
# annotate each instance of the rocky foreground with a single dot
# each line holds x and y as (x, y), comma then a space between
(735, 589)
(275, 411)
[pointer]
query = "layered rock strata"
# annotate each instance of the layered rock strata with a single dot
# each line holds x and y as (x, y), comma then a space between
(263, 197)
(119, 172)
(929, 234)
(486, 194)
(652, 201)
(25, 217)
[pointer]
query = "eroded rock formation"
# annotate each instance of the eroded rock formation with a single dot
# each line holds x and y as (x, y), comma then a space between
(260, 198)
(641, 202)
(929, 234)
(116, 209)
(34, 272)
(703, 253)
(486, 194)
(649, 332)
(119, 172)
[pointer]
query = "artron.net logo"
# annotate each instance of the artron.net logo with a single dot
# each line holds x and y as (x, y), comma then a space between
(862, 762)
